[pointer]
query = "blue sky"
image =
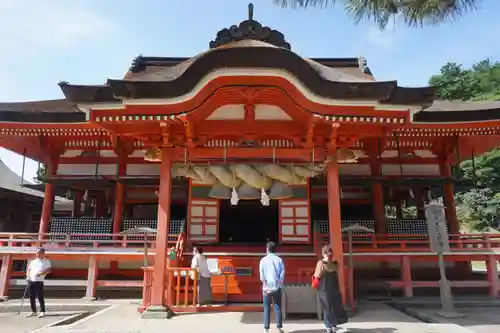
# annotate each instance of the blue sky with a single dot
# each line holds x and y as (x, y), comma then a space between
(44, 42)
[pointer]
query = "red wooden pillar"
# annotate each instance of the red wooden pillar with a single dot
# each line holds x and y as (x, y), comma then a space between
(99, 207)
(406, 276)
(492, 272)
(93, 271)
(77, 204)
(335, 222)
(48, 202)
(5, 272)
(449, 198)
(118, 209)
(161, 248)
(420, 203)
(378, 200)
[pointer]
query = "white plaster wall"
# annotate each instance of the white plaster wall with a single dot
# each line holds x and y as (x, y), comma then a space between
(410, 169)
(86, 169)
(354, 169)
(150, 169)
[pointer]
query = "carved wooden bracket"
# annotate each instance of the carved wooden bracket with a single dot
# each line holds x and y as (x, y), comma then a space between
(332, 142)
(123, 147)
(309, 140)
(189, 132)
(165, 140)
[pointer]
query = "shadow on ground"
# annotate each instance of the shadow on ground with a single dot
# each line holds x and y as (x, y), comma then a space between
(353, 330)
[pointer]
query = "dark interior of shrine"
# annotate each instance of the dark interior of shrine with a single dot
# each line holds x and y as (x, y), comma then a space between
(249, 222)
(319, 212)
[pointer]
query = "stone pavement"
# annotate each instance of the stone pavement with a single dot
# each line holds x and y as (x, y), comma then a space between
(122, 317)
(478, 319)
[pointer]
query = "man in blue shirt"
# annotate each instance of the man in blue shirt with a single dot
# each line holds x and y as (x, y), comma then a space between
(272, 275)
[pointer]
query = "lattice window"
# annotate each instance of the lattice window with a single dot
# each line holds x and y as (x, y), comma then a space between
(295, 221)
(104, 226)
(409, 228)
(204, 220)
(86, 226)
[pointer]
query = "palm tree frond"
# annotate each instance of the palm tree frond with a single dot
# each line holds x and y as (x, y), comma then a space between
(413, 12)
(304, 3)
(431, 12)
(377, 11)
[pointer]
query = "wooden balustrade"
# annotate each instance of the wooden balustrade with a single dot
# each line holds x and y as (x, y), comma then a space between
(146, 288)
(370, 243)
(409, 243)
(77, 240)
(181, 287)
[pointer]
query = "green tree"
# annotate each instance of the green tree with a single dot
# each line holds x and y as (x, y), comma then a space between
(40, 173)
(413, 12)
(481, 82)
(478, 203)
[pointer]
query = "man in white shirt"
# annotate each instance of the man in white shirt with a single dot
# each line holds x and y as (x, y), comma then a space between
(38, 269)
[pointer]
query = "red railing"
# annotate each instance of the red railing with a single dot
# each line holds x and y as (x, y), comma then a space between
(181, 287)
(147, 288)
(58, 240)
(172, 281)
(408, 243)
(179, 247)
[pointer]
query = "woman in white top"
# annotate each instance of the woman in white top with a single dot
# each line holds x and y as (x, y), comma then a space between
(204, 287)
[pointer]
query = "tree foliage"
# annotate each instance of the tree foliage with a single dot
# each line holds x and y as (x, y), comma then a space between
(413, 12)
(479, 83)
(478, 205)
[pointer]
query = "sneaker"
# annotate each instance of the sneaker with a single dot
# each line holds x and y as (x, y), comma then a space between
(41, 315)
(31, 314)
(265, 331)
(280, 330)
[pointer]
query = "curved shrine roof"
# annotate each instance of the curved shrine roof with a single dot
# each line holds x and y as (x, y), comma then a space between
(459, 111)
(347, 81)
(245, 47)
(49, 111)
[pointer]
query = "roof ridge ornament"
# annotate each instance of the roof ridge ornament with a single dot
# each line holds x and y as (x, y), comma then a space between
(249, 29)
(250, 11)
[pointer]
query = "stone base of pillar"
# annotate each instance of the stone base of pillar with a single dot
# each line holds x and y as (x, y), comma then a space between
(157, 312)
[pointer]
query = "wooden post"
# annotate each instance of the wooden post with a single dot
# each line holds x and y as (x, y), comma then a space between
(420, 203)
(335, 222)
(5, 272)
(118, 209)
(93, 272)
(160, 261)
(406, 276)
(378, 198)
(77, 204)
(492, 270)
(449, 198)
(48, 202)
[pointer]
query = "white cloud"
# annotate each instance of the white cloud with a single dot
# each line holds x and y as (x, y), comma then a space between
(49, 24)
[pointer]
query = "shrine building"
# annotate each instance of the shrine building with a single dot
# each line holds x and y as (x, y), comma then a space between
(244, 143)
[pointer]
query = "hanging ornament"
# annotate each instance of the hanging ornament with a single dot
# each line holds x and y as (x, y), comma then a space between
(264, 198)
(234, 197)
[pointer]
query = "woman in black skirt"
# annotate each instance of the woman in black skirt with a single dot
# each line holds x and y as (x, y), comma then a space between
(326, 280)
